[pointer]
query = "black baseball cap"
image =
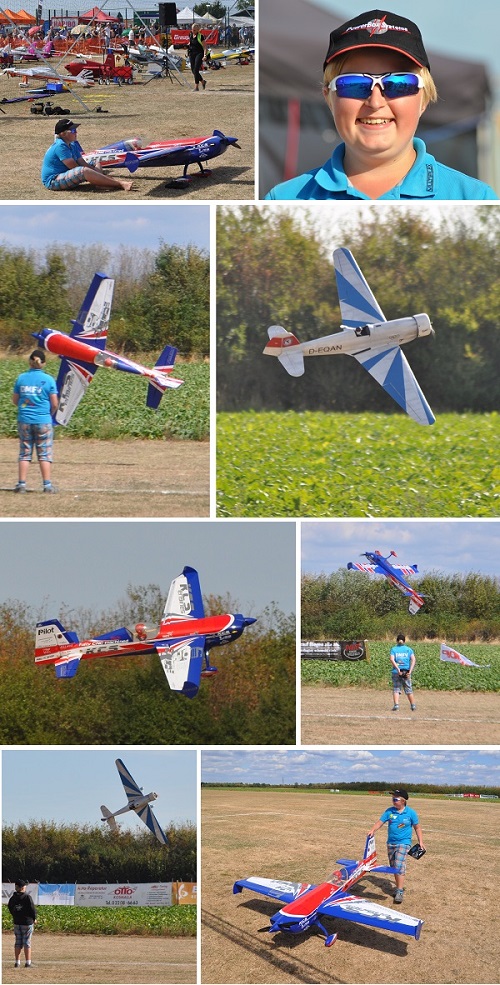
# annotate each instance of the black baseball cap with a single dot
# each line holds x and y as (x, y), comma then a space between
(400, 793)
(62, 125)
(378, 27)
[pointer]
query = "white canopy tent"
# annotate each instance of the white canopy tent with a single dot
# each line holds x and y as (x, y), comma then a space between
(187, 16)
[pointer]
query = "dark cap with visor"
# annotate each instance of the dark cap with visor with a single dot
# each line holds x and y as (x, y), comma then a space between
(63, 125)
(400, 793)
(381, 28)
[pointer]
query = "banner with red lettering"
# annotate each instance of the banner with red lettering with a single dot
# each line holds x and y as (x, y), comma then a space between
(124, 894)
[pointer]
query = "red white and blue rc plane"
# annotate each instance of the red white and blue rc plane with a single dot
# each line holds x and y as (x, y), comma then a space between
(185, 151)
(394, 573)
(183, 641)
(136, 801)
(366, 335)
(83, 351)
(305, 903)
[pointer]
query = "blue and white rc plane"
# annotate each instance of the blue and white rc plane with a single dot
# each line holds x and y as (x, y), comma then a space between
(303, 903)
(137, 801)
(396, 574)
(366, 335)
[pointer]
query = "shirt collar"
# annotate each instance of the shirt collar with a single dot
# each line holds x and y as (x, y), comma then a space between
(418, 183)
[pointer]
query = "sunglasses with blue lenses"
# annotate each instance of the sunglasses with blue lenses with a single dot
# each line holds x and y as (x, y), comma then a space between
(393, 85)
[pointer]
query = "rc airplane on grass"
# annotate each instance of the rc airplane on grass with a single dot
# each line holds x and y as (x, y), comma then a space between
(366, 335)
(137, 801)
(83, 351)
(84, 78)
(132, 155)
(183, 641)
(394, 573)
(305, 903)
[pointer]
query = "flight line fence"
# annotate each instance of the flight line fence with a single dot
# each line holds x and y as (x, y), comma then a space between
(107, 894)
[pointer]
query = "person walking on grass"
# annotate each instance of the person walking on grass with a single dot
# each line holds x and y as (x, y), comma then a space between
(23, 911)
(403, 661)
(196, 54)
(400, 820)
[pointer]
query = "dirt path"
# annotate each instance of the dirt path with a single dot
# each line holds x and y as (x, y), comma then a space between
(112, 478)
(160, 110)
(298, 836)
(74, 958)
(362, 715)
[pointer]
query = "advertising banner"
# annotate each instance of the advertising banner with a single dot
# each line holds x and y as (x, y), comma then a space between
(185, 892)
(180, 38)
(124, 894)
(52, 894)
(9, 887)
(64, 22)
(334, 650)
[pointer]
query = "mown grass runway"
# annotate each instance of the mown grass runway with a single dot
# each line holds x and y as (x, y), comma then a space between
(357, 465)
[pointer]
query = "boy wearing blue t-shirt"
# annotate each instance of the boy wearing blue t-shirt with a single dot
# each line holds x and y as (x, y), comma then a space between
(400, 820)
(377, 83)
(36, 399)
(403, 662)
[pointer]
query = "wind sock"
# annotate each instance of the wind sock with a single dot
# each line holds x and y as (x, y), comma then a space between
(449, 655)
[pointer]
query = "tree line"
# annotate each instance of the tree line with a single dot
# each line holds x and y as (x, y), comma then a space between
(360, 786)
(349, 604)
(273, 268)
(43, 851)
(250, 701)
(159, 298)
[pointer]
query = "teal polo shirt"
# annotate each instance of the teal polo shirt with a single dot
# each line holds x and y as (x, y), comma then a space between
(427, 179)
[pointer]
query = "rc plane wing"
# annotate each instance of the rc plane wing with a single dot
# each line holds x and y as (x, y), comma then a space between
(91, 326)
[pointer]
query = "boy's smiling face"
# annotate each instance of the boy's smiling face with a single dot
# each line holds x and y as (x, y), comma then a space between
(376, 130)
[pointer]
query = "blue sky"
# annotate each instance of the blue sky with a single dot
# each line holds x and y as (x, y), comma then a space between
(37, 226)
(68, 787)
(448, 546)
(90, 564)
(396, 766)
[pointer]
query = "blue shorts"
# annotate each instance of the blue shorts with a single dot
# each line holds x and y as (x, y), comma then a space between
(39, 436)
(68, 179)
(23, 933)
(397, 857)
(399, 683)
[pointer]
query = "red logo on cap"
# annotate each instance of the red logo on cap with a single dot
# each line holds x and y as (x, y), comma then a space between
(377, 26)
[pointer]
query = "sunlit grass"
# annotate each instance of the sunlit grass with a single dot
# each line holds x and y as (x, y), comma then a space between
(357, 465)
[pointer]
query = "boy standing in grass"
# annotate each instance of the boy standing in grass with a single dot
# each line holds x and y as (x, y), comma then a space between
(23, 912)
(403, 662)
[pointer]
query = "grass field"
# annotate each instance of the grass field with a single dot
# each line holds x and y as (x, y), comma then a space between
(357, 465)
(114, 406)
(289, 836)
(430, 672)
(141, 921)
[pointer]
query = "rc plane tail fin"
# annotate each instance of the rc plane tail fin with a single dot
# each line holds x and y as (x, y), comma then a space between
(161, 382)
(107, 816)
(287, 348)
